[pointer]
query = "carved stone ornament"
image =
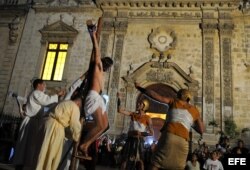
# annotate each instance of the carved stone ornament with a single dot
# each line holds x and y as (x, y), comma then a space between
(58, 31)
(162, 39)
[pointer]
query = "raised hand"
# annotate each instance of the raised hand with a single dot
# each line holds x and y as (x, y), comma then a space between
(91, 27)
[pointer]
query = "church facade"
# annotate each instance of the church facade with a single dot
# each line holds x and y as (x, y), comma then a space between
(201, 45)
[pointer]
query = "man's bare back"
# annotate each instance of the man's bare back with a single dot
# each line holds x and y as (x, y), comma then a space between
(98, 78)
(94, 103)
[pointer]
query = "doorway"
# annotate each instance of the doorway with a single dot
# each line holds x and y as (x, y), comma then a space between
(157, 111)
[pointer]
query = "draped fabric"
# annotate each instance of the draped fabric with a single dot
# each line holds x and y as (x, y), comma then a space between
(66, 114)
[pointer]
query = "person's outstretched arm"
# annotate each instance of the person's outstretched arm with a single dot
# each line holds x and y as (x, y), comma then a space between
(153, 94)
(121, 109)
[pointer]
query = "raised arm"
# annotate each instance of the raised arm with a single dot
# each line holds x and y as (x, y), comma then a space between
(119, 108)
(153, 94)
(94, 34)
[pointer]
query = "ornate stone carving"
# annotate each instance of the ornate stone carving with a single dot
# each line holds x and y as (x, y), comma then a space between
(168, 73)
(164, 3)
(58, 31)
(122, 14)
(13, 33)
(108, 14)
(165, 14)
(208, 15)
(208, 70)
(226, 28)
(162, 39)
(62, 2)
(208, 28)
(159, 75)
(121, 25)
(227, 71)
(108, 25)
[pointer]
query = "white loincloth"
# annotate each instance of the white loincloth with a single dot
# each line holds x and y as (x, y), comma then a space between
(93, 102)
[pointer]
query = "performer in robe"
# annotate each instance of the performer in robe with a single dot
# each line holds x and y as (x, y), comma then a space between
(140, 127)
(68, 142)
(94, 103)
(65, 114)
(29, 129)
(172, 148)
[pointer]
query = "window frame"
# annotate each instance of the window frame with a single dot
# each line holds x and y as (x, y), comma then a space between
(57, 51)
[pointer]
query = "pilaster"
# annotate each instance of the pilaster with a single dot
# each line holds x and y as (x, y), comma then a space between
(209, 27)
(226, 27)
(119, 26)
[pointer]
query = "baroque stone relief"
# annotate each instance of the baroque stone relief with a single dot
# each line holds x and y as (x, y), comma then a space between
(162, 39)
(166, 72)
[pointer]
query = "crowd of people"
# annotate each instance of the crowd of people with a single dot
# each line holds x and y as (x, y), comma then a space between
(110, 152)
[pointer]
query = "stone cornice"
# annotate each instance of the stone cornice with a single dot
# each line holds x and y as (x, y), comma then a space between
(77, 8)
(13, 10)
(166, 3)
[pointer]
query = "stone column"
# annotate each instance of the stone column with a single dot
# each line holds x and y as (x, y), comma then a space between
(120, 28)
(208, 26)
(225, 35)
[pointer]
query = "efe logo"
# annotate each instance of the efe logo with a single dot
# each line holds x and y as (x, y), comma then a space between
(236, 161)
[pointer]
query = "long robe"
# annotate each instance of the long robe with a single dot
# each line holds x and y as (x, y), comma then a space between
(68, 143)
(30, 126)
(66, 114)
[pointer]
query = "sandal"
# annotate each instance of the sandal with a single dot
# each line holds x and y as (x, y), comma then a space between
(83, 155)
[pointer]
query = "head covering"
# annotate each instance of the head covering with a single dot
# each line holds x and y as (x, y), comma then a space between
(146, 104)
(184, 94)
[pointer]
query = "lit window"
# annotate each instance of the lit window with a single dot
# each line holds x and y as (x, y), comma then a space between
(55, 61)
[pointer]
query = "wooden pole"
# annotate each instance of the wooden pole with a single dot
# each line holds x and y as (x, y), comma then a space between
(75, 156)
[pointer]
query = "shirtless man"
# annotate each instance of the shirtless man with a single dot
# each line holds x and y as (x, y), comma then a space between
(94, 103)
